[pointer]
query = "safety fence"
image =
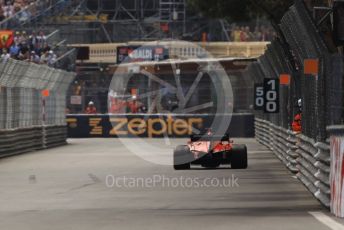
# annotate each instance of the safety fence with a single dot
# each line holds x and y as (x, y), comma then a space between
(307, 154)
(32, 106)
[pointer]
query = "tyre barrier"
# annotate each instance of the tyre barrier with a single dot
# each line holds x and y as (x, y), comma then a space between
(54, 136)
(32, 107)
(309, 160)
(17, 141)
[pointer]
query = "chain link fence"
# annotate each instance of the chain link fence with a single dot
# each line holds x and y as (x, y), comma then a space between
(307, 153)
(29, 118)
(322, 95)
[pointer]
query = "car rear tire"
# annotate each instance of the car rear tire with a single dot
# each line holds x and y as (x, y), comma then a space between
(182, 158)
(239, 157)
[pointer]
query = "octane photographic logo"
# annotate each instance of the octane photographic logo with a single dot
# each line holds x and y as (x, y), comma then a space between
(164, 90)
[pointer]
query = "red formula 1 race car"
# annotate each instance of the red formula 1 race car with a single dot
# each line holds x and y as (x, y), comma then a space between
(210, 151)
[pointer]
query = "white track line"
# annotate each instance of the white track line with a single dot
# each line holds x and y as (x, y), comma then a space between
(326, 220)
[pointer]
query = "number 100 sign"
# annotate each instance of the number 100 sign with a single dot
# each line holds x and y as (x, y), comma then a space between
(271, 95)
(266, 96)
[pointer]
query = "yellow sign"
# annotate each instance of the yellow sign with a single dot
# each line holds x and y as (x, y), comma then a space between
(97, 129)
(154, 126)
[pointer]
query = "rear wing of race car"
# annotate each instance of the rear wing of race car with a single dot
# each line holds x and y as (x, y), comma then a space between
(205, 137)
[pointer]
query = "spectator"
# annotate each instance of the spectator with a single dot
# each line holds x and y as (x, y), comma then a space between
(237, 33)
(23, 39)
(8, 9)
(16, 37)
(134, 105)
(24, 54)
(33, 41)
(14, 50)
(45, 57)
(41, 41)
(17, 8)
(91, 109)
(257, 35)
(51, 58)
(297, 124)
(245, 34)
(77, 88)
(5, 55)
(34, 57)
(27, 48)
(249, 34)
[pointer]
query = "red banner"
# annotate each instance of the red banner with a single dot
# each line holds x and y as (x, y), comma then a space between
(6, 38)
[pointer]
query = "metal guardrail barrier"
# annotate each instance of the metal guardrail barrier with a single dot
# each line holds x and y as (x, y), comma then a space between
(308, 159)
(281, 141)
(30, 119)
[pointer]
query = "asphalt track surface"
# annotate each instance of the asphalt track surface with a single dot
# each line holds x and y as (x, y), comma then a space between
(70, 188)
